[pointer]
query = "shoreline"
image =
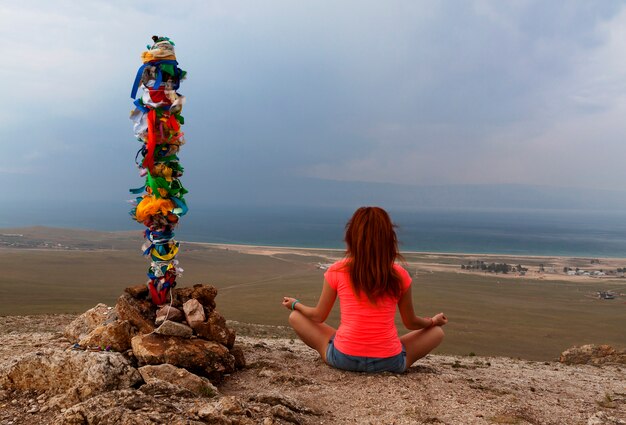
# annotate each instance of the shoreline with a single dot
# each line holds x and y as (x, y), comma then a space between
(65, 233)
(247, 246)
(63, 242)
(424, 253)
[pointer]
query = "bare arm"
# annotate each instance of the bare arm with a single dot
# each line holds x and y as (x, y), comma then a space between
(413, 322)
(320, 312)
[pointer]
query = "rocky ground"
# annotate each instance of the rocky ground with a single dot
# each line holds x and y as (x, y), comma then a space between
(285, 382)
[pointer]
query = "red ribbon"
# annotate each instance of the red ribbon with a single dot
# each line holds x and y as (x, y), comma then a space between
(159, 297)
(148, 160)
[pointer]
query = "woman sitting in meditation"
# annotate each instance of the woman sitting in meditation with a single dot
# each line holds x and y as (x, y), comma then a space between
(370, 285)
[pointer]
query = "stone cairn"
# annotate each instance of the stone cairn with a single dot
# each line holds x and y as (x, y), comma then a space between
(137, 363)
(190, 333)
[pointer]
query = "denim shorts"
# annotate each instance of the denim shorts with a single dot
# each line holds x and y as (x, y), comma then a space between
(335, 358)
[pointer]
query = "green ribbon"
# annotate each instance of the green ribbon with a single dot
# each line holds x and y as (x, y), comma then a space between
(168, 68)
(175, 188)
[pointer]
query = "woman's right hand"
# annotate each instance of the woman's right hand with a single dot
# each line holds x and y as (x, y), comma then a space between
(288, 302)
(439, 319)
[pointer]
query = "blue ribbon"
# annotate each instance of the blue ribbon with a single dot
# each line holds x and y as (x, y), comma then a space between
(139, 104)
(180, 204)
(133, 91)
(138, 190)
(159, 75)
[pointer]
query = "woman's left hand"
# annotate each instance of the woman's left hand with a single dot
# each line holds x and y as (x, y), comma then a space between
(439, 319)
(287, 302)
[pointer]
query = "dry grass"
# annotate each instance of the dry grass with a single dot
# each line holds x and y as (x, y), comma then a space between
(523, 318)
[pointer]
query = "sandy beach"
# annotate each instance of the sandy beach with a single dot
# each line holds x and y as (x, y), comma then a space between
(428, 262)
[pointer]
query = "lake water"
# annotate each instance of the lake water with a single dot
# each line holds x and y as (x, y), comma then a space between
(527, 232)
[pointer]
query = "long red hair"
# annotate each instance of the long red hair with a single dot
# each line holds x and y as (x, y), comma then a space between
(372, 249)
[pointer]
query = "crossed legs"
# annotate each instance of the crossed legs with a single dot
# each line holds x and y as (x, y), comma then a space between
(315, 335)
(421, 342)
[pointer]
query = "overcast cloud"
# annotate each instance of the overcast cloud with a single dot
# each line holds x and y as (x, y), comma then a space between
(412, 92)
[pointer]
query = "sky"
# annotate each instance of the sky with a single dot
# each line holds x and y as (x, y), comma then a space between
(409, 92)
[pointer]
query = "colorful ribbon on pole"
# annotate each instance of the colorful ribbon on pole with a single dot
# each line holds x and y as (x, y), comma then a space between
(157, 126)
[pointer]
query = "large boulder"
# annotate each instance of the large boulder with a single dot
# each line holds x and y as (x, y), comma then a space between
(593, 354)
(80, 373)
(115, 335)
(88, 321)
(140, 313)
(180, 377)
(206, 358)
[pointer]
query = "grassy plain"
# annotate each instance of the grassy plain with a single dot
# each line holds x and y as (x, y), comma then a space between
(534, 317)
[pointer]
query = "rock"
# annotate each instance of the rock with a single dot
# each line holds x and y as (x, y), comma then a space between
(181, 296)
(205, 294)
(88, 321)
(593, 354)
(215, 329)
(603, 418)
(206, 358)
(230, 405)
(266, 373)
(212, 415)
(138, 291)
(123, 407)
(174, 329)
(277, 399)
(194, 312)
(296, 380)
(169, 313)
(218, 330)
(203, 330)
(140, 313)
(160, 389)
(117, 335)
(226, 407)
(240, 359)
(208, 411)
(285, 413)
(180, 377)
(80, 374)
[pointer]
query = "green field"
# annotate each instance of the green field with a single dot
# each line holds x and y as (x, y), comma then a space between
(525, 318)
